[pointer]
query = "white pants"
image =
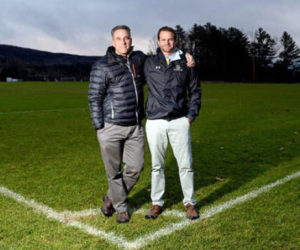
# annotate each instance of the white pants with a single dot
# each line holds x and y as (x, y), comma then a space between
(178, 132)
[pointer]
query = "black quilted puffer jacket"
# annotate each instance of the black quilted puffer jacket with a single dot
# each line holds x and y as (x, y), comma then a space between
(116, 89)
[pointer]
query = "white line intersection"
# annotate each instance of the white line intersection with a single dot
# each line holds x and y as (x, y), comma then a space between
(71, 218)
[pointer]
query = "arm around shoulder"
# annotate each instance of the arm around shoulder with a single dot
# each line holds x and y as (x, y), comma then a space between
(195, 93)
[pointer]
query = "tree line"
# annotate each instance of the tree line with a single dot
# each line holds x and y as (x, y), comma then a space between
(228, 54)
(16, 68)
(35, 65)
(221, 55)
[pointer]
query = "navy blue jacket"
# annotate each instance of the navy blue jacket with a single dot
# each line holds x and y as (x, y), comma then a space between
(173, 90)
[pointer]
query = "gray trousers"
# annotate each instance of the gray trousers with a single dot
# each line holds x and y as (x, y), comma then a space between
(121, 144)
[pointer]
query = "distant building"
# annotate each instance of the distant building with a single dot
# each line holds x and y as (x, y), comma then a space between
(10, 79)
(295, 66)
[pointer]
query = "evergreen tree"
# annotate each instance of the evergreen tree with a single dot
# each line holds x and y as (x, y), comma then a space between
(181, 38)
(263, 48)
(290, 50)
(227, 55)
(196, 40)
(236, 60)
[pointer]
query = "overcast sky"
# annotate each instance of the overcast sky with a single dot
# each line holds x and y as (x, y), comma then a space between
(83, 26)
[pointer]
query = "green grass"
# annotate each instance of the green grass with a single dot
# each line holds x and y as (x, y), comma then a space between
(247, 133)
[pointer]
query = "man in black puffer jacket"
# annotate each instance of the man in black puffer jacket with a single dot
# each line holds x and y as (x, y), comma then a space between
(174, 100)
(116, 107)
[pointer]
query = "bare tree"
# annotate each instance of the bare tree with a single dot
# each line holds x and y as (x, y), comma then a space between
(152, 45)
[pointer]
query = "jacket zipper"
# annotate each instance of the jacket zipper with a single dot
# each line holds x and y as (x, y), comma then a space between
(135, 89)
(112, 111)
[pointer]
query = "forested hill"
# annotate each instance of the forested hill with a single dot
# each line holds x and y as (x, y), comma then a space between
(33, 56)
(31, 64)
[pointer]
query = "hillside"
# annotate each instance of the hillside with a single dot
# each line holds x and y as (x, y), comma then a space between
(33, 56)
(31, 64)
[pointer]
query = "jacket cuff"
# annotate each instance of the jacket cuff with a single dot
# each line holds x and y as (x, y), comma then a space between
(191, 118)
(100, 126)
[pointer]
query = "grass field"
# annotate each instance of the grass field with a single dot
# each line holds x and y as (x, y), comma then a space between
(247, 133)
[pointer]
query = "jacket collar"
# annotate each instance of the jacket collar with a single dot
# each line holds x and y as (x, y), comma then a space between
(177, 56)
(113, 57)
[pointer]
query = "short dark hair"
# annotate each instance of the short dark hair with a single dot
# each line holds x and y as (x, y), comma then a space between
(166, 28)
(120, 27)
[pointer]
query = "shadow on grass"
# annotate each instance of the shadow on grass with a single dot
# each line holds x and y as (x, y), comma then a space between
(239, 149)
(205, 170)
(243, 160)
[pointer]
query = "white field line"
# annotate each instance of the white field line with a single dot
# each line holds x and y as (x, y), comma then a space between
(67, 217)
(165, 212)
(74, 215)
(142, 241)
(54, 110)
(64, 109)
(96, 211)
(37, 111)
(63, 218)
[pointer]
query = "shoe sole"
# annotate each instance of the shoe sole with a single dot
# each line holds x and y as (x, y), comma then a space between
(150, 217)
(193, 217)
(121, 221)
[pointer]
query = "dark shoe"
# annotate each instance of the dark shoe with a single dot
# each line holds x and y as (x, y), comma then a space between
(154, 212)
(107, 208)
(191, 212)
(122, 217)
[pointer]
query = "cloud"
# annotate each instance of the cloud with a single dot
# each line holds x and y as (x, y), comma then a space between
(83, 27)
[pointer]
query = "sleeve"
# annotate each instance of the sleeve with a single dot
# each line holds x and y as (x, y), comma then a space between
(143, 58)
(146, 67)
(96, 95)
(194, 90)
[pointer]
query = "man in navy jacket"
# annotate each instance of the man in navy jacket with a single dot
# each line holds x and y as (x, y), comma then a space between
(174, 100)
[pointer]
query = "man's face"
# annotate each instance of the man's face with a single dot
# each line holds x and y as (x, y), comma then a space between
(166, 42)
(121, 41)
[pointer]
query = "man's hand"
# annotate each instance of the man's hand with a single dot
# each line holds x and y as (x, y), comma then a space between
(188, 119)
(190, 60)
